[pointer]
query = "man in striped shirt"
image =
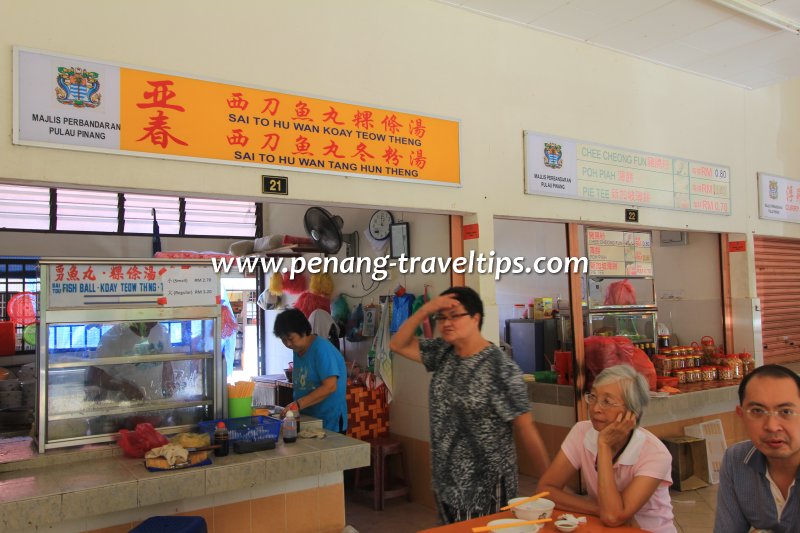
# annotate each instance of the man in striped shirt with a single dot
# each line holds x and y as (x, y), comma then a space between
(759, 478)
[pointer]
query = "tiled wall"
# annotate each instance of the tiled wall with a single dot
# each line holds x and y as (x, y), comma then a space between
(316, 510)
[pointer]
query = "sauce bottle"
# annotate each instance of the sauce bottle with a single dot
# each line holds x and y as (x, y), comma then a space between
(289, 428)
(221, 438)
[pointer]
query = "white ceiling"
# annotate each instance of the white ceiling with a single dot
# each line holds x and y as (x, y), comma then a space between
(696, 36)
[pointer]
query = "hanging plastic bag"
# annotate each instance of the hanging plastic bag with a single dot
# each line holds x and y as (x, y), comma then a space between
(275, 284)
(340, 311)
(354, 324)
(401, 310)
(383, 355)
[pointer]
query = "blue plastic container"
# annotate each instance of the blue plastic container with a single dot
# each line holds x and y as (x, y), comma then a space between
(172, 524)
(249, 428)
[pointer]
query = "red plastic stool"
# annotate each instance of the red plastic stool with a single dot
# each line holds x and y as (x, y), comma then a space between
(382, 487)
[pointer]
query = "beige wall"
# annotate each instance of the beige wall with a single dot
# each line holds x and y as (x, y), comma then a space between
(496, 78)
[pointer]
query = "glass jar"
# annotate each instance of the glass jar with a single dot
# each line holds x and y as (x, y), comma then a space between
(709, 346)
(708, 373)
(736, 363)
(726, 373)
(677, 360)
(663, 341)
(688, 361)
(697, 374)
(748, 363)
(698, 359)
(681, 375)
(659, 362)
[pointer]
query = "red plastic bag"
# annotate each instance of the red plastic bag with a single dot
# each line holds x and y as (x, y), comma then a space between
(603, 352)
(644, 366)
(308, 302)
(620, 293)
(140, 441)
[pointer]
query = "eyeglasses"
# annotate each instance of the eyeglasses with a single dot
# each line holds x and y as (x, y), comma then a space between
(440, 318)
(759, 413)
(591, 399)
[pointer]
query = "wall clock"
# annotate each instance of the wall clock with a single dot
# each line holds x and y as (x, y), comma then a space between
(380, 224)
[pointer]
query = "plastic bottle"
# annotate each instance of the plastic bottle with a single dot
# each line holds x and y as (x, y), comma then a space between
(221, 438)
(289, 428)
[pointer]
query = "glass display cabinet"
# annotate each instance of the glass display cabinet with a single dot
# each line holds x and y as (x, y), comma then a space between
(125, 342)
(638, 327)
(621, 284)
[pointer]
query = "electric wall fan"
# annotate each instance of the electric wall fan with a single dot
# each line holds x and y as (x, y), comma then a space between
(326, 232)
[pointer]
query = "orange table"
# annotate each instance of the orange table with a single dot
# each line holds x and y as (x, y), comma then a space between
(593, 525)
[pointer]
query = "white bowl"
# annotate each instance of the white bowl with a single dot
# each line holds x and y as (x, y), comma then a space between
(525, 528)
(535, 510)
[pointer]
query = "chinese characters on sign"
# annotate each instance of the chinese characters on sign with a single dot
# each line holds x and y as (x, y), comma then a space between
(74, 285)
(778, 198)
(619, 253)
(573, 169)
(177, 117)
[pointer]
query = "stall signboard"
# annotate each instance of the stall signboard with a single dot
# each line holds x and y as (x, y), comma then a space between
(557, 166)
(75, 103)
(778, 198)
(81, 284)
(619, 253)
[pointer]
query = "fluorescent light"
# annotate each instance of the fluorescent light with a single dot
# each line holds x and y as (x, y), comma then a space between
(758, 12)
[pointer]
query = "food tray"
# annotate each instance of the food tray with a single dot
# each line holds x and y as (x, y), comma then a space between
(248, 428)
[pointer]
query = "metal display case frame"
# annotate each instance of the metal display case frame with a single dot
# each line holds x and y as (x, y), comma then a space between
(615, 311)
(134, 308)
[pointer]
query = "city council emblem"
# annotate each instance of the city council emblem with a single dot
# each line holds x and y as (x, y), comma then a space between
(77, 87)
(773, 189)
(552, 155)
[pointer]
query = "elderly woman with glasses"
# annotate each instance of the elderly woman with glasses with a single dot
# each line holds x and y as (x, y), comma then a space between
(626, 469)
(477, 399)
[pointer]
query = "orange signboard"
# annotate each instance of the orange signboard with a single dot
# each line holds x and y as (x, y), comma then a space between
(178, 116)
(76, 103)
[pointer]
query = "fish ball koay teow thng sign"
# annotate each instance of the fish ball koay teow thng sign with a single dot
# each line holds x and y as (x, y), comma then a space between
(75, 103)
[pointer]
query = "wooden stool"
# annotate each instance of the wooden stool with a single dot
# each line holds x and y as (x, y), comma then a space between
(382, 487)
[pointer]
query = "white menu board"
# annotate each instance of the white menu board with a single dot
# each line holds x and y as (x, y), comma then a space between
(778, 198)
(81, 284)
(619, 253)
(557, 166)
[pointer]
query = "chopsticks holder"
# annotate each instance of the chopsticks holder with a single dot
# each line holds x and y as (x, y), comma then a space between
(526, 500)
(515, 524)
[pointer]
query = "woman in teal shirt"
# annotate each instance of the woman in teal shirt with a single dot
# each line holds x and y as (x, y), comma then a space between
(319, 379)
